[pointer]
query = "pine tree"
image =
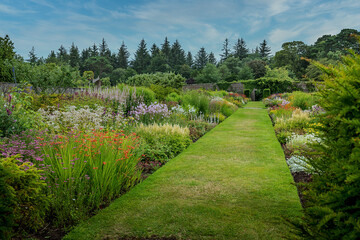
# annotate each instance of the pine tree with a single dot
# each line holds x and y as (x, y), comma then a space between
(6, 53)
(155, 50)
(74, 56)
(104, 50)
(51, 57)
(94, 51)
(189, 59)
(226, 50)
(62, 54)
(142, 58)
(240, 50)
(201, 59)
(177, 55)
(165, 49)
(264, 49)
(211, 58)
(85, 54)
(123, 57)
(32, 57)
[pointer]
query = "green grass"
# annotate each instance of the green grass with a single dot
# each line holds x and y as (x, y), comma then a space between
(231, 184)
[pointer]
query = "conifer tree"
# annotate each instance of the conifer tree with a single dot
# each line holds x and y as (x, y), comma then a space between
(74, 56)
(240, 50)
(189, 59)
(212, 58)
(165, 49)
(62, 54)
(94, 51)
(225, 50)
(201, 59)
(32, 57)
(142, 58)
(51, 57)
(85, 54)
(155, 50)
(177, 55)
(264, 49)
(104, 50)
(123, 57)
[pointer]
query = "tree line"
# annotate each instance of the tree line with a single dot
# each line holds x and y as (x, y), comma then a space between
(236, 62)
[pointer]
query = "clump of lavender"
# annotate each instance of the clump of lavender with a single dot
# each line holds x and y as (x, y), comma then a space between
(155, 112)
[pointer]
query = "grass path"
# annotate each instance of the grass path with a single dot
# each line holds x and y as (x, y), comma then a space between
(231, 184)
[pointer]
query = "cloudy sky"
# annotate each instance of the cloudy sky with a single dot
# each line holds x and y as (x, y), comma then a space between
(195, 23)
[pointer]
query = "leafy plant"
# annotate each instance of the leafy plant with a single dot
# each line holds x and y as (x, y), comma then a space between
(86, 170)
(164, 141)
(28, 192)
(332, 210)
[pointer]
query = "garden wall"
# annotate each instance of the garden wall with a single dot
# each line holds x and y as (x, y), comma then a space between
(234, 87)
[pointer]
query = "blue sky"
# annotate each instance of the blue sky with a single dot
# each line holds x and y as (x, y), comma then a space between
(195, 23)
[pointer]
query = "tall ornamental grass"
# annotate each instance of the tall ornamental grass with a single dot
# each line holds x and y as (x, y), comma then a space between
(85, 171)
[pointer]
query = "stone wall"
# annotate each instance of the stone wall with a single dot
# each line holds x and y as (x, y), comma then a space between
(234, 87)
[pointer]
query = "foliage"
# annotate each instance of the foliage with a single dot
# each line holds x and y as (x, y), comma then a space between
(302, 100)
(6, 54)
(258, 68)
(86, 170)
(99, 65)
(27, 190)
(266, 92)
(247, 92)
(162, 92)
(196, 99)
(47, 77)
(198, 128)
(209, 74)
(7, 204)
(163, 79)
(163, 141)
(332, 210)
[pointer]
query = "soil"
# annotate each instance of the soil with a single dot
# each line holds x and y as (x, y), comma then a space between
(154, 237)
(301, 177)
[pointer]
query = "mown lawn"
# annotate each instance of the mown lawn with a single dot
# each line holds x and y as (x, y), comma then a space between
(231, 184)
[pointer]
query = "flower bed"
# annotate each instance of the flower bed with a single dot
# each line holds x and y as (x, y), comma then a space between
(88, 148)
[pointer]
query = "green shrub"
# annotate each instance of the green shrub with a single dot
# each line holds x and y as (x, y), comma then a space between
(228, 108)
(199, 128)
(173, 97)
(163, 142)
(197, 99)
(162, 92)
(266, 92)
(163, 79)
(28, 192)
(332, 207)
(302, 100)
(247, 92)
(7, 204)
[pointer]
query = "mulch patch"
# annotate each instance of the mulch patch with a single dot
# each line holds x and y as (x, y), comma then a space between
(154, 237)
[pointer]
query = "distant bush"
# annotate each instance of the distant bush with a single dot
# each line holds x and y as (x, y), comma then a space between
(197, 99)
(163, 79)
(302, 100)
(266, 92)
(162, 92)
